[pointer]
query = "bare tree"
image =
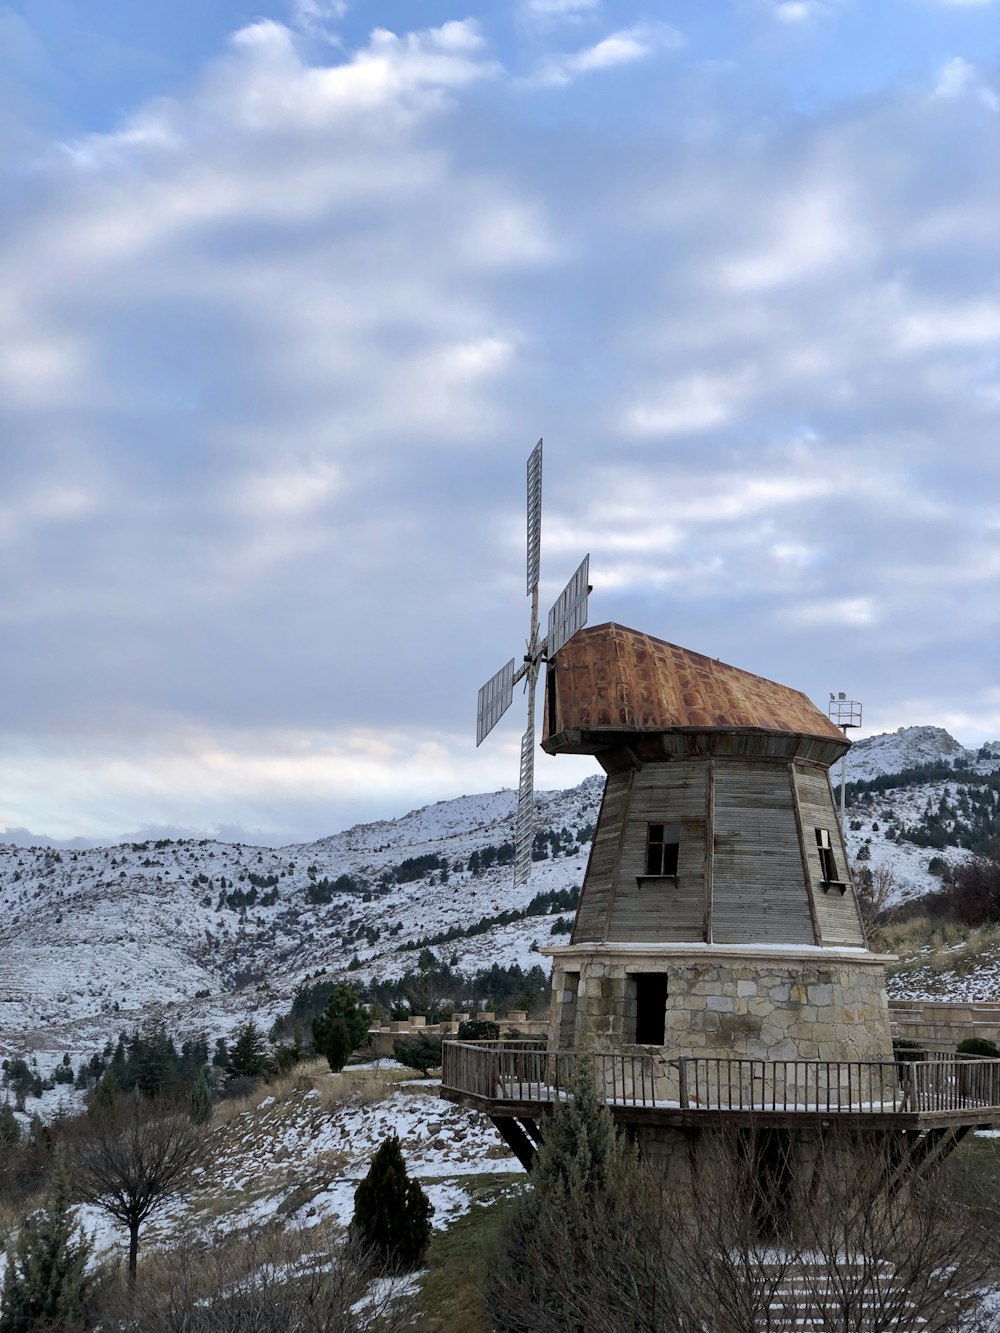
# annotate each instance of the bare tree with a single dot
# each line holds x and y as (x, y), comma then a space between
(134, 1157)
(877, 887)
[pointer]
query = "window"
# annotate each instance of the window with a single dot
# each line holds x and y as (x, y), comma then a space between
(567, 1011)
(827, 865)
(650, 1007)
(662, 847)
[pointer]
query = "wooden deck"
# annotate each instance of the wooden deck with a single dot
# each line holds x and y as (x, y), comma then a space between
(511, 1079)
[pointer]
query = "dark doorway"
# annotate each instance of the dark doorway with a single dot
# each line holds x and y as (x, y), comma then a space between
(767, 1157)
(650, 1008)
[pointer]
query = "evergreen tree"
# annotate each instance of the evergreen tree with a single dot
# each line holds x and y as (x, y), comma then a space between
(45, 1282)
(581, 1168)
(344, 1007)
(105, 1093)
(336, 1043)
(247, 1057)
(200, 1100)
(153, 1060)
(392, 1214)
(581, 1146)
(10, 1129)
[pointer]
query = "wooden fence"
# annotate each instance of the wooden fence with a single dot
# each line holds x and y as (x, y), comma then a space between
(519, 1072)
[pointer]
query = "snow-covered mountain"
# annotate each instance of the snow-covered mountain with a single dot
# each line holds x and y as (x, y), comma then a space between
(927, 809)
(93, 940)
(914, 747)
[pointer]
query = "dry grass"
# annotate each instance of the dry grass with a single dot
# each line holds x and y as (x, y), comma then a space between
(13, 1214)
(265, 1279)
(361, 1085)
(939, 947)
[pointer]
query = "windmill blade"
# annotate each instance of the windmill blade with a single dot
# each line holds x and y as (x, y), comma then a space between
(570, 610)
(534, 515)
(495, 698)
(524, 836)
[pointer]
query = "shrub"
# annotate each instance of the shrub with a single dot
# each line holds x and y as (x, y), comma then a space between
(905, 1050)
(10, 1129)
(392, 1214)
(977, 1046)
(422, 1052)
(478, 1029)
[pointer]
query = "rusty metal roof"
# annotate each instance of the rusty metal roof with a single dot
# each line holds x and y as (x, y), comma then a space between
(613, 679)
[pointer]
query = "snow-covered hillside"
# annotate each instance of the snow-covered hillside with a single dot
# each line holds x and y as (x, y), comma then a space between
(875, 821)
(93, 941)
(914, 747)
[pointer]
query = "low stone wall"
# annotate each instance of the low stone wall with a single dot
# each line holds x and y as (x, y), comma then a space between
(381, 1036)
(944, 1023)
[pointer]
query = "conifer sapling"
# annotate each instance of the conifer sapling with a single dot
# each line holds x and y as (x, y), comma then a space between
(392, 1214)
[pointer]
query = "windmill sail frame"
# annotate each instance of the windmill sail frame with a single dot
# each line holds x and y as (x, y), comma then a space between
(567, 615)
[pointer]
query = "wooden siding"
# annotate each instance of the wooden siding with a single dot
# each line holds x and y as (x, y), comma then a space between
(758, 890)
(837, 913)
(596, 896)
(748, 867)
(650, 908)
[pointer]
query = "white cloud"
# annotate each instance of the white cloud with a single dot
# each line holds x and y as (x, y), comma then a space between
(836, 613)
(956, 324)
(695, 403)
(314, 17)
(809, 229)
(279, 782)
(269, 351)
(549, 10)
(960, 78)
(619, 48)
(802, 11)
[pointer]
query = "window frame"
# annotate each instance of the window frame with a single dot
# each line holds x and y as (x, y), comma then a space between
(662, 851)
(828, 878)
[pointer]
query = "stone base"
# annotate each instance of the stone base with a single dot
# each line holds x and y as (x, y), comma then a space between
(814, 1004)
(718, 1159)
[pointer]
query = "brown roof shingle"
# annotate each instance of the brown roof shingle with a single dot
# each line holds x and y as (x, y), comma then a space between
(611, 678)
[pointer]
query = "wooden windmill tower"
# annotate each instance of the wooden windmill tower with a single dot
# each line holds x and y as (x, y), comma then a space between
(717, 916)
(718, 970)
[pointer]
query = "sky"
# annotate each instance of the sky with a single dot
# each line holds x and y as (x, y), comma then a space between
(287, 295)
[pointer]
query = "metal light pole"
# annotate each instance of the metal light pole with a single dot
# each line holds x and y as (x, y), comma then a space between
(844, 713)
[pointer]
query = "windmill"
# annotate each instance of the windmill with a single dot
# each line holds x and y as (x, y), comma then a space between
(568, 614)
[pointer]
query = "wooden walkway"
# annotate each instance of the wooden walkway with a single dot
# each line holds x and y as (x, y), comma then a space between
(517, 1079)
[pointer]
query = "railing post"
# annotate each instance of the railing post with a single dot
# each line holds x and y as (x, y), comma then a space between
(682, 1081)
(910, 1099)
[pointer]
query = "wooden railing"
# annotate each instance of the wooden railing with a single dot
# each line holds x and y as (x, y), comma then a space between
(512, 1071)
(874, 1087)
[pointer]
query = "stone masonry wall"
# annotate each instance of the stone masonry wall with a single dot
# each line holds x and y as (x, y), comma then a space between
(764, 1008)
